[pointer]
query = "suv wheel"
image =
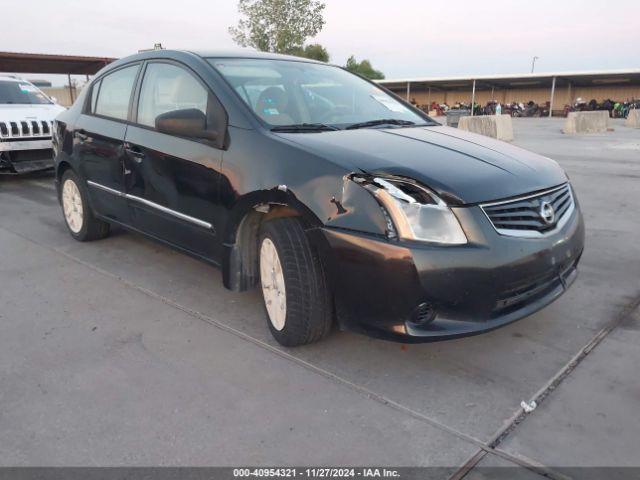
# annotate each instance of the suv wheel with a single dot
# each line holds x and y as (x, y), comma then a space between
(294, 288)
(81, 222)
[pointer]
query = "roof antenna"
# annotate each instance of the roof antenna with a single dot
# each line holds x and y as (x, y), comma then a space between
(156, 46)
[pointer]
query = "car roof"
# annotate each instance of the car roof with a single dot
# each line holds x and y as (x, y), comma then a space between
(249, 53)
(237, 53)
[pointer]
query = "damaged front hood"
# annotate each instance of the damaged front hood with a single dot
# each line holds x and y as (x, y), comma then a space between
(454, 163)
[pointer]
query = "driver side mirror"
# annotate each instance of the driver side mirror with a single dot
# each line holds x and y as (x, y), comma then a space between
(190, 122)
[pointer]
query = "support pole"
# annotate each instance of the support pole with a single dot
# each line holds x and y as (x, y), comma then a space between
(408, 91)
(70, 87)
(553, 92)
(473, 96)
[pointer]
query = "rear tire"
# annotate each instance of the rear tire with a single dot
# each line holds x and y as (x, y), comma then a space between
(297, 299)
(80, 220)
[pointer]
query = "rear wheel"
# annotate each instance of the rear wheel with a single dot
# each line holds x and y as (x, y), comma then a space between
(296, 296)
(82, 224)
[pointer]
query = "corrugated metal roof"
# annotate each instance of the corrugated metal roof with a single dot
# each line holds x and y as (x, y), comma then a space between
(517, 76)
(594, 78)
(20, 62)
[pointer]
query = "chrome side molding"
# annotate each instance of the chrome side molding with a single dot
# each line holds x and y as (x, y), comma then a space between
(180, 215)
(106, 189)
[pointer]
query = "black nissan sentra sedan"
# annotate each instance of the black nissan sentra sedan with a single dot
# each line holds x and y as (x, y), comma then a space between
(341, 202)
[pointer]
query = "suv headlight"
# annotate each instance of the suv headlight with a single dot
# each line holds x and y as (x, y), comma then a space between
(416, 213)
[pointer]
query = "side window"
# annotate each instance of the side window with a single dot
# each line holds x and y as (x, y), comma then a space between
(94, 95)
(166, 88)
(115, 92)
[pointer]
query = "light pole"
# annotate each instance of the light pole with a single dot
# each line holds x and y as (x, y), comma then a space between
(533, 63)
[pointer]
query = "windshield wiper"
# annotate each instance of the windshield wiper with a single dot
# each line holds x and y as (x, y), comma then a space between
(304, 127)
(383, 121)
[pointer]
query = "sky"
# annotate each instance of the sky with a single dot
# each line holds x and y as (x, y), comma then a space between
(403, 38)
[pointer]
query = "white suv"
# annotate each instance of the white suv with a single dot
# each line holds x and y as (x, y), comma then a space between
(26, 121)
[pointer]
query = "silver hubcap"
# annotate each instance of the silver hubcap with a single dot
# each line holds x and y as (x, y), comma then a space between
(72, 205)
(272, 280)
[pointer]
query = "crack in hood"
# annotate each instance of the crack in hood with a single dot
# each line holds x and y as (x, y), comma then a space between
(452, 162)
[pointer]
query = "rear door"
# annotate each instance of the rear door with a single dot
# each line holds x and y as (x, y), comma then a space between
(99, 136)
(172, 182)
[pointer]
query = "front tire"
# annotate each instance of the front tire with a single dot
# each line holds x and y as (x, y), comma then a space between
(82, 224)
(296, 295)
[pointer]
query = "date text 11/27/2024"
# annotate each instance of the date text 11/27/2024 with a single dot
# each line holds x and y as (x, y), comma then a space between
(325, 472)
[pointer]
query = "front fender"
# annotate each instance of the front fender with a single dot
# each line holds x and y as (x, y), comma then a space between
(261, 169)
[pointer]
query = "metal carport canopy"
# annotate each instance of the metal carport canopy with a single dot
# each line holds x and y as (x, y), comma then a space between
(530, 80)
(53, 64)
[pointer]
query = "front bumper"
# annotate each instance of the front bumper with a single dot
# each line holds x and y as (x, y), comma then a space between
(34, 143)
(380, 286)
(26, 155)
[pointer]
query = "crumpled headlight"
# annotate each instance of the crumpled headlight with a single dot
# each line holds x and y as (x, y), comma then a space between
(416, 213)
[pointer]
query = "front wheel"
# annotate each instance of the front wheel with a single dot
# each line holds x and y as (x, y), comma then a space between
(296, 295)
(82, 224)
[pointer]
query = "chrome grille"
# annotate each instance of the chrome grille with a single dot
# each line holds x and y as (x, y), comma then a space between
(531, 215)
(25, 129)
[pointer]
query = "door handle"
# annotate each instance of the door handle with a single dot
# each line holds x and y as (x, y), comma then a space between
(134, 153)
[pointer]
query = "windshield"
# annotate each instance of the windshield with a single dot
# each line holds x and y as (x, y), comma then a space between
(21, 93)
(283, 92)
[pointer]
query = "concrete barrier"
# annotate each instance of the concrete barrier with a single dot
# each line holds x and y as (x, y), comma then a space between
(586, 122)
(496, 126)
(633, 120)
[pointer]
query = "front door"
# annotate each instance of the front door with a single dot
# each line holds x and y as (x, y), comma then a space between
(172, 183)
(100, 132)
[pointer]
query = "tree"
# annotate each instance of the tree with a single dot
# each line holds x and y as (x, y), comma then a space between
(314, 51)
(363, 68)
(280, 26)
